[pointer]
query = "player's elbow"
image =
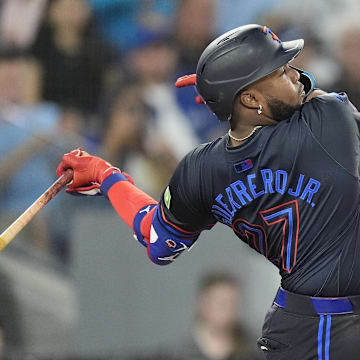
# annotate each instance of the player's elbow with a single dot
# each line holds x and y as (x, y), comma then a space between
(160, 257)
(163, 243)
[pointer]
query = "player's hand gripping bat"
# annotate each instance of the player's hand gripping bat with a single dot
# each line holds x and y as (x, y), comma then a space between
(33, 209)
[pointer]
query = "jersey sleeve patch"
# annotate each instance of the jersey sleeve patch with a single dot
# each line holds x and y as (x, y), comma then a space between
(167, 197)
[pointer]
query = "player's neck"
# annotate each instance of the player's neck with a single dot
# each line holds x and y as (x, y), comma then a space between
(244, 128)
(235, 140)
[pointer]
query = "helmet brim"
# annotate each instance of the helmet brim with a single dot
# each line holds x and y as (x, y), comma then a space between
(292, 48)
(288, 51)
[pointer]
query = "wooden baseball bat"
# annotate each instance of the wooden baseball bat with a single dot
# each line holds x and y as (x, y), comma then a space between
(34, 208)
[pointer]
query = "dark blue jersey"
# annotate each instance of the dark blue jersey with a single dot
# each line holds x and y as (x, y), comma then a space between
(291, 192)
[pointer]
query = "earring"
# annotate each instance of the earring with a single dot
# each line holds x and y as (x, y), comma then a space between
(259, 110)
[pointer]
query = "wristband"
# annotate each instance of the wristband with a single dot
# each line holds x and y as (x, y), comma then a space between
(110, 181)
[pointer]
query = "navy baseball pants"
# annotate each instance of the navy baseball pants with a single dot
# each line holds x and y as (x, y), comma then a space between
(299, 327)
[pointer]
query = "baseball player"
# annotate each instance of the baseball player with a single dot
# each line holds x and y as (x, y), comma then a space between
(285, 178)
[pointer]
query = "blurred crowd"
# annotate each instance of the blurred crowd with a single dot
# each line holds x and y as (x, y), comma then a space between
(99, 74)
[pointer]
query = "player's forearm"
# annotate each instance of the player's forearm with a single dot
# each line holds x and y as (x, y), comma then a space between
(163, 240)
(143, 215)
(128, 200)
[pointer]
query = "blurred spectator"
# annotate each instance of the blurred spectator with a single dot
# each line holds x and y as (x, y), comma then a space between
(126, 138)
(125, 124)
(33, 135)
(217, 331)
(20, 117)
(347, 52)
(192, 33)
(194, 30)
(147, 131)
(132, 139)
(154, 64)
(19, 22)
(232, 13)
(121, 22)
(74, 58)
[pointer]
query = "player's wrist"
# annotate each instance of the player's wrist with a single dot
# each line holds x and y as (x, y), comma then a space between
(108, 171)
(111, 180)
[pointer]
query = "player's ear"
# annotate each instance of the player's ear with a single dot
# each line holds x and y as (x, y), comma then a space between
(249, 99)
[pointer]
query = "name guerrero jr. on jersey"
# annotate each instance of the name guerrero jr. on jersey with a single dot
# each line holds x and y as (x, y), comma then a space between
(241, 193)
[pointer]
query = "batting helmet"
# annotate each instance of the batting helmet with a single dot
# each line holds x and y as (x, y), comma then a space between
(238, 58)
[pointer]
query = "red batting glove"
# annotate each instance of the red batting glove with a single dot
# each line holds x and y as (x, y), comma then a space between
(94, 188)
(89, 172)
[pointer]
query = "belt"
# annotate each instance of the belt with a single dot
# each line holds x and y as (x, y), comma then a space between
(310, 305)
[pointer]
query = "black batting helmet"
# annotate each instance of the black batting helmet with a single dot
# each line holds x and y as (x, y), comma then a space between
(238, 58)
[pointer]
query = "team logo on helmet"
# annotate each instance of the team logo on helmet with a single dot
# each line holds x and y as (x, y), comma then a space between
(274, 36)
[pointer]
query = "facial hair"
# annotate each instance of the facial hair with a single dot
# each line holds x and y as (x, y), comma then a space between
(279, 110)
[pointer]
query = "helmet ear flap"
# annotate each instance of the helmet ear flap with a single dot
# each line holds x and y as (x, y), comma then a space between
(306, 79)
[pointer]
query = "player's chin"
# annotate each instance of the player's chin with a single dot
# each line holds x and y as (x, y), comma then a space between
(302, 97)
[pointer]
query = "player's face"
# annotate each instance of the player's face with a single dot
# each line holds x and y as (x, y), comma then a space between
(282, 92)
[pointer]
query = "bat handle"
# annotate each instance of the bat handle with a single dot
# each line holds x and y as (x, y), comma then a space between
(61, 182)
(34, 208)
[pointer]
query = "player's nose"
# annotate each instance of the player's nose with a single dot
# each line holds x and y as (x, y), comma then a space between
(294, 74)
